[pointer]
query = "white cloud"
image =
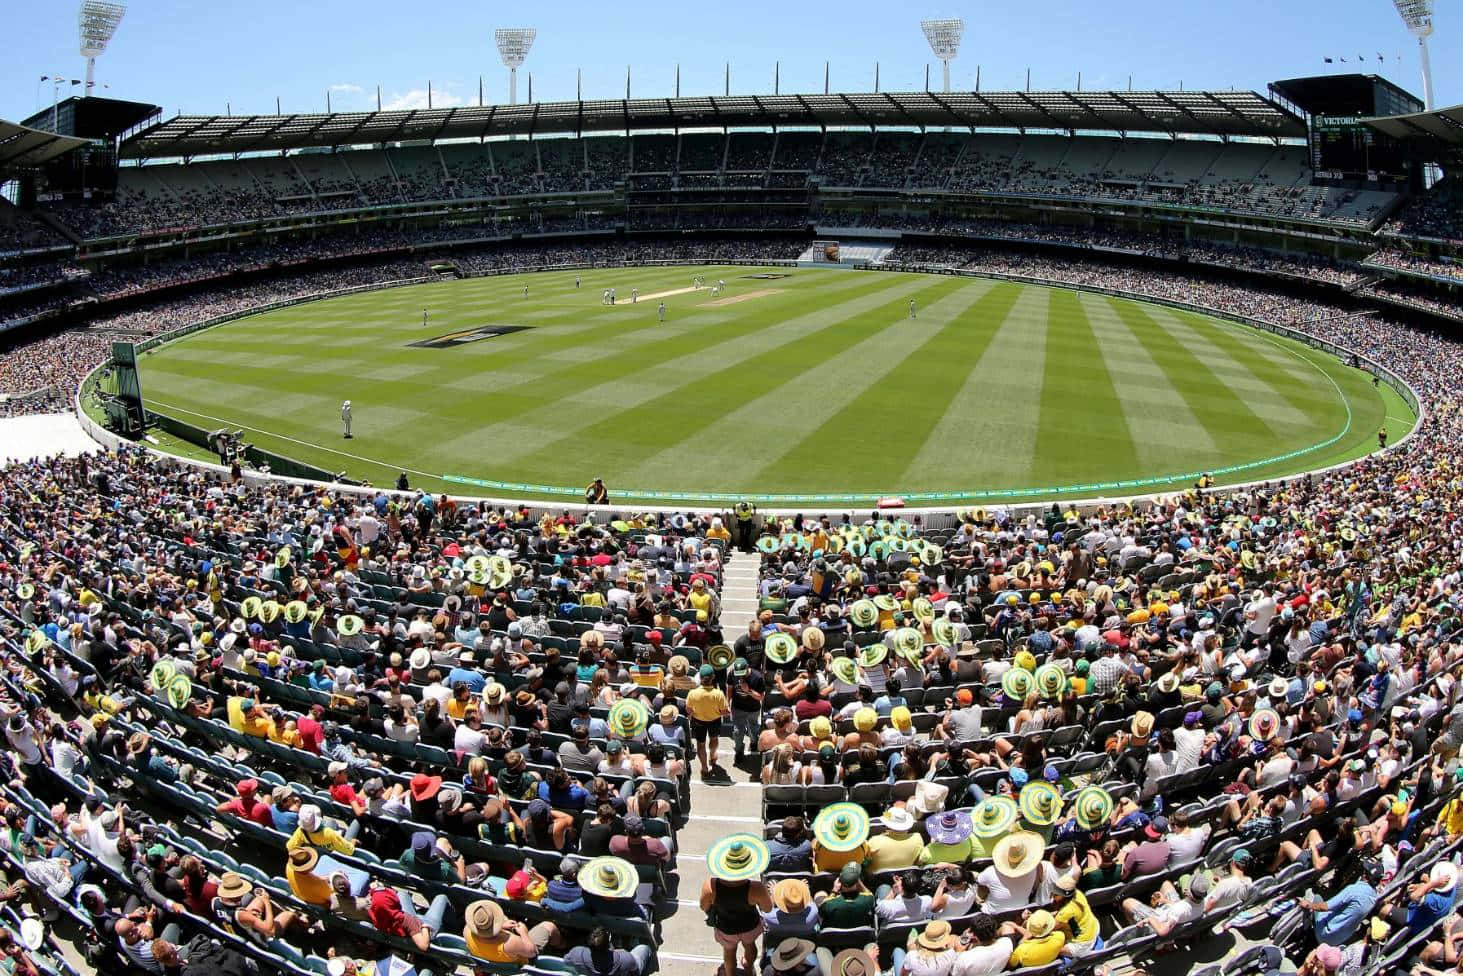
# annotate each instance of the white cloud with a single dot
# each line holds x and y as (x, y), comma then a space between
(417, 98)
(347, 89)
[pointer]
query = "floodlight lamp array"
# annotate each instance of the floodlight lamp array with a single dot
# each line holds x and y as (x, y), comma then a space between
(97, 22)
(1417, 15)
(944, 36)
(513, 44)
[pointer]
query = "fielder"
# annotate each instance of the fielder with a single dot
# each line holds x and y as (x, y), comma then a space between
(525, 291)
(576, 282)
(345, 419)
(604, 298)
(612, 296)
(634, 295)
(661, 311)
(911, 309)
(424, 318)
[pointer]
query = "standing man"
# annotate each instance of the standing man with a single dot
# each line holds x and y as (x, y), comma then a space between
(596, 493)
(345, 416)
(661, 311)
(576, 282)
(746, 516)
(424, 318)
(747, 686)
(634, 295)
(911, 309)
(1382, 438)
(525, 291)
(707, 706)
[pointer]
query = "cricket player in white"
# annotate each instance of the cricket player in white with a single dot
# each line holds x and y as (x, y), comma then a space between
(634, 295)
(424, 318)
(345, 418)
(525, 291)
(911, 308)
(576, 282)
(661, 311)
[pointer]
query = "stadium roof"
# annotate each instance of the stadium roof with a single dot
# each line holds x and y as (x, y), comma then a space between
(1444, 125)
(20, 146)
(1210, 113)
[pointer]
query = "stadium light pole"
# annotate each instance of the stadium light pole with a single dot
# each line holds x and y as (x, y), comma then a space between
(1418, 16)
(96, 22)
(944, 37)
(513, 45)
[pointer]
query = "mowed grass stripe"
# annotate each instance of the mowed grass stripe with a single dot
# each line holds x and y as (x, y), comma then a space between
(1165, 431)
(764, 426)
(1240, 433)
(872, 397)
(1288, 374)
(1002, 363)
(1081, 433)
(715, 392)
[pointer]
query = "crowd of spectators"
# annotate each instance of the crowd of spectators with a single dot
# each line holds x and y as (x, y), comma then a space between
(1397, 259)
(1435, 214)
(431, 729)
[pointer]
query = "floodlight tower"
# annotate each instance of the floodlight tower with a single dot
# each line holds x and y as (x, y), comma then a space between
(1418, 16)
(97, 22)
(944, 37)
(513, 45)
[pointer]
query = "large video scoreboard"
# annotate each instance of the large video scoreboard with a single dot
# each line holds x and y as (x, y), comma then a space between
(1343, 149)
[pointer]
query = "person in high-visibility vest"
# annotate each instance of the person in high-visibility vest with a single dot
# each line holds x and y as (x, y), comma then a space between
(746, 516)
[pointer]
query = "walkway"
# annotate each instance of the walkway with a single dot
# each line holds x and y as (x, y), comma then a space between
(687, 945)
(42, 435)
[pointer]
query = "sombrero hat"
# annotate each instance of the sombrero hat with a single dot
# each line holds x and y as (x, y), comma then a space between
(780, 647)
(1018, 853)
(896, 544)
(720, 657)
(283, 557)
(296, 611)
(629, 718)
(872, 655)
(609, 877)
(478, 564)
(500, 573)
(767, 544)
(945, 633)
(36, 641)
(857, 547)
(269, 611)
(950, 827)
(180, 689)
(1017, 683)
(835, 543)
(250, 607)
(841, 827)
(886, 603)
(1050, 681)
(478, 577)
(863, 613)
(994, 817)
(903, 529)
(909, 642)
(1094, 807)
(25, 591)
(844, 669)
(1264, 723)
(739, 857)
(932, 553)
(162, 673)
(350, 625)
(1041, 803)
(923, 609)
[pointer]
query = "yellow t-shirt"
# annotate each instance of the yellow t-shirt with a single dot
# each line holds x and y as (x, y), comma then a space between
(1037, 951)
(326, 837)
(700, 601)
(890, 851)
(826, 860)
(308, 887)
(705, 704)
(1076, 918)
(1451, 817)
(489, 949)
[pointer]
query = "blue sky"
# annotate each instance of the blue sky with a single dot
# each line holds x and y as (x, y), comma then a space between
(201, 57)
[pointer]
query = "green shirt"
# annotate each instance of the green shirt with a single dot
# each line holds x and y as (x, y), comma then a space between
(838, 912)
(947, 853)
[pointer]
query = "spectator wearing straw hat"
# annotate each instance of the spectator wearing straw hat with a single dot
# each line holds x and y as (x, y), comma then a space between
(793, 913)
(840, 834)
(490, 935)
(899, 846)
(1017, 872)
(931, 952)
(792, 956)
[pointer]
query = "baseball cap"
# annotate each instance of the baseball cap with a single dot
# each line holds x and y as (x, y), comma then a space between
(707, 671)
(740, 666)
(850, 875)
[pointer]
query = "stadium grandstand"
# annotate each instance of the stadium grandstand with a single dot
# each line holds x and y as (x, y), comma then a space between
(285, 693)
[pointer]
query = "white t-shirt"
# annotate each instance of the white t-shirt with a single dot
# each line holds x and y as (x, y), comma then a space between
(984, 960)
(1262, 609)
(1008, 893)
(957, 903)
(468, 741)
(906, 909)
(1188, 844)
(922, 963)
(1229, 891)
